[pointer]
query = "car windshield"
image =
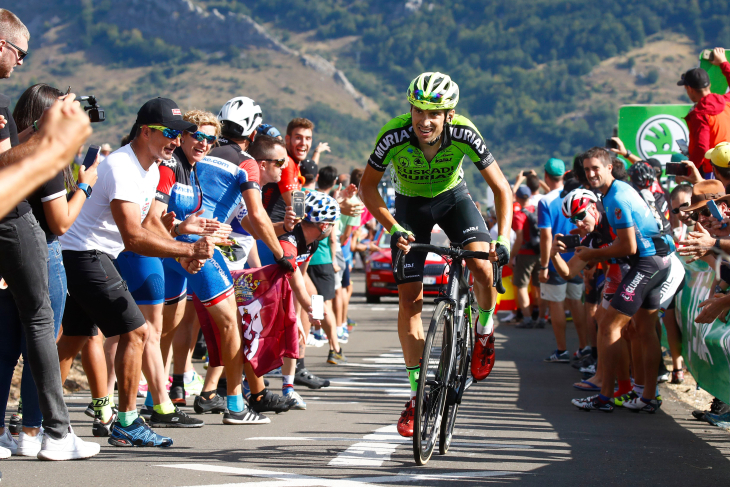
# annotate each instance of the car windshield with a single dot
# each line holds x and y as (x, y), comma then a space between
(437, 238)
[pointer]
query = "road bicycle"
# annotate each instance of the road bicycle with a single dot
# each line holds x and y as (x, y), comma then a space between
(445, 365)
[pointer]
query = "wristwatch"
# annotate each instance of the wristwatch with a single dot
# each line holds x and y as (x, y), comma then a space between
(86, 189)
(717, 244)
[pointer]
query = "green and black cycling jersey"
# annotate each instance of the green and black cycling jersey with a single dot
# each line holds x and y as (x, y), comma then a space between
(411, 173)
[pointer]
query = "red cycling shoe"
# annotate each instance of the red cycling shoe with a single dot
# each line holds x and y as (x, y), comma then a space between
(482, 359)
(405, 423)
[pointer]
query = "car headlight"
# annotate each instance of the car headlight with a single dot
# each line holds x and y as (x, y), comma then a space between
(380, 266)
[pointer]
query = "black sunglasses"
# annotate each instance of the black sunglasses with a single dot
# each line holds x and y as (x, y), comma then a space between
(704, 211)
(21, 53)
(278, 162)
(678, 209)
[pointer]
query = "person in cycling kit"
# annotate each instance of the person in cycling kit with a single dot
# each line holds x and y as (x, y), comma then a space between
(424, 150)
(639, 237)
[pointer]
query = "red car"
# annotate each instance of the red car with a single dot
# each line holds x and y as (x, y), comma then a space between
(379, 280)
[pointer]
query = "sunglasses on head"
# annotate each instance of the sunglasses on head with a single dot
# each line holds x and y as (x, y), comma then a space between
(201, 137)
(578, 217)
(21, 53)
(680, 208)
(277, 162)
(167, 132)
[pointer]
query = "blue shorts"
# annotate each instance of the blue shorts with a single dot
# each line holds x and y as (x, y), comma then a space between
(211, 285)
(145, 277)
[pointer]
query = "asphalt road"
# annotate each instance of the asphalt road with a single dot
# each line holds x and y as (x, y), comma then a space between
(518, 426)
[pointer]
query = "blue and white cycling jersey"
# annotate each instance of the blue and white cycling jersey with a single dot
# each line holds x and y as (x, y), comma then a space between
(222, 183)
(626, 208)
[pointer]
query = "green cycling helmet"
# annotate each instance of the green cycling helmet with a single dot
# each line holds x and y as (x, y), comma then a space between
(433, 91)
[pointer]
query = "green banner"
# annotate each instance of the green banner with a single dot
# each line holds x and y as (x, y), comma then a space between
(653, 130)
(705, 346)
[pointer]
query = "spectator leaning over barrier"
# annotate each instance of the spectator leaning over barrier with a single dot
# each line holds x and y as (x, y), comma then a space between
(701, 241)
(709, 120)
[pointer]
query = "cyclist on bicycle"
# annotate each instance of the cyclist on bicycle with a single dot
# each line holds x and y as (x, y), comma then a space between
(424, 149)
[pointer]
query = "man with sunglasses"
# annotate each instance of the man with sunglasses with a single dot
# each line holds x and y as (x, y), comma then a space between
(424, 150)
(116, 218)
(638, 237)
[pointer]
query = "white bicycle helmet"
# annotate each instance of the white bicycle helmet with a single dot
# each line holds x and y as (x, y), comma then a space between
(577, 201)
(433, 91)
(320, 208)
(239, 117)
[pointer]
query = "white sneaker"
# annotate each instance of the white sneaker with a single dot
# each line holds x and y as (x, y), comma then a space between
(4, 453)
(70, 448)
(8, 442)
(295, 400)
(29, 446)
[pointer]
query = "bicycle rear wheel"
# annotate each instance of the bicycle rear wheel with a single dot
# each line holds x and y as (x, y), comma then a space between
(456, 388)
(436, 366)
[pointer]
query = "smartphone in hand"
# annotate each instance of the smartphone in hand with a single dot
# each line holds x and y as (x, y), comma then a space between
(91, 154)
(317, 307)
(570, 241)
(712, 206)
(677, 169)
(611, 144)
(297, 203)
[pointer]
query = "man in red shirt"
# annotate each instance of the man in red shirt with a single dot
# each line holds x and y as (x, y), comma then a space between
(277, 196)
(526, 252)
(709, 120)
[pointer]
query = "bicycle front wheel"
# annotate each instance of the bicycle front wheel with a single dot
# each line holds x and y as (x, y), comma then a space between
(436, 368)
(456, 388)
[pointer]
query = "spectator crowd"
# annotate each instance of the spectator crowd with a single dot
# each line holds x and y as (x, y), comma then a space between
(572, 254)
(128, 256)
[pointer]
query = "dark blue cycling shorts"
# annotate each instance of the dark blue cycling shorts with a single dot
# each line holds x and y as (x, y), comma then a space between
(144, 276)
(211, 285)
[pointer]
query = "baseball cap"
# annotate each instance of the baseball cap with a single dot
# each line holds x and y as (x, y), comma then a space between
(696, 78)
(308, 168)
(720, 155)
(524, 192)
(555, 167)
(165, 112)
(679, 157)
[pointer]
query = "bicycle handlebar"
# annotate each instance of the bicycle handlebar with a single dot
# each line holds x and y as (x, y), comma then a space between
(502, 259)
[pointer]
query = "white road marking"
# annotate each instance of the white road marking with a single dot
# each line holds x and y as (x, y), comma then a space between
(284, 479)
(386, 438)
(372, 451)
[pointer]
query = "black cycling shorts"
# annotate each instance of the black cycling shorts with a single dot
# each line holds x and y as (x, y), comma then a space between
(97, 297)
(453, 211)
(642, 285)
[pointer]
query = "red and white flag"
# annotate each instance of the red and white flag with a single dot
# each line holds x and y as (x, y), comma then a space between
(265, 302)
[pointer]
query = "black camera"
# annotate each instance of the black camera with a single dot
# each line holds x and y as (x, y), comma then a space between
(96, 113)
